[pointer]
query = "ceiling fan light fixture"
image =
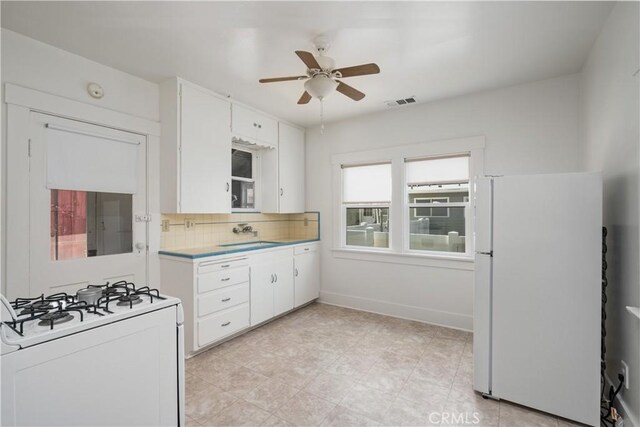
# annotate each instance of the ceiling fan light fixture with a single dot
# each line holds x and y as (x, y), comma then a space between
(320, 86)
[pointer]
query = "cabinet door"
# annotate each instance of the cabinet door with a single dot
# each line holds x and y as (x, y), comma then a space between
(307, 277)
(267, 130)
(244, 122)
(262, 283)
(291, 168)
(283, 286)
(205, 152)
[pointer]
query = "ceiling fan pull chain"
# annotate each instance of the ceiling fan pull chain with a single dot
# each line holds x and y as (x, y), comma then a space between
(321, 117)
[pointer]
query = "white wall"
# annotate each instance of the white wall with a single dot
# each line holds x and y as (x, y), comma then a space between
(36, 65)
(530, 128)
(40, 66)
(610, 132)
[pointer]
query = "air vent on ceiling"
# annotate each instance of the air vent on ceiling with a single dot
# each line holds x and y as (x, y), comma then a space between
(399, 102)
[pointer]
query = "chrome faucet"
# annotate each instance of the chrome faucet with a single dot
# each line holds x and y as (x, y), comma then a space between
(243, 228)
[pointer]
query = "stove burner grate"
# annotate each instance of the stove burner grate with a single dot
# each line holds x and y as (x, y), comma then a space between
(55, 318)
(129, 299)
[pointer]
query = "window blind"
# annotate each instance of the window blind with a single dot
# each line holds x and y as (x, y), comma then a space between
(366, 184)
(443, 170)
(87, 162)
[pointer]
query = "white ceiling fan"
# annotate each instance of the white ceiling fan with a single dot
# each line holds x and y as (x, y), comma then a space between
(322, 78)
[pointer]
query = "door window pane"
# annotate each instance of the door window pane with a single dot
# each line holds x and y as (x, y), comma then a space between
(86, 224)
(368, 227)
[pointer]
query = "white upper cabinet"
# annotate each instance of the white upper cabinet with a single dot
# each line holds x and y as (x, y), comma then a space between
(253, 126)
(283, 173)
(291, 167)
(196, 150)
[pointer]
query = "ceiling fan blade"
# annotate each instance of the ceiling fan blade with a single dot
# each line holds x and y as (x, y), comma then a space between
(305, 98)
(359, 70)
(281, 79)
(308, 59)
(347, 90)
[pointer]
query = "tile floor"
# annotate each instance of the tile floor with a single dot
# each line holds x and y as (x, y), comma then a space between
(330, 366)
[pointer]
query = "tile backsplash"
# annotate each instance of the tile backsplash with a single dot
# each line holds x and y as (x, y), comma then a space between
(216, 229)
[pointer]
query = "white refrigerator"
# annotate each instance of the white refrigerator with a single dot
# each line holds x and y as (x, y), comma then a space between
(538, 292)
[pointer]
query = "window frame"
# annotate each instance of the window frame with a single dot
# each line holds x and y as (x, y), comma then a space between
(255, 173)
(429, 206)
(362, 205)
(399, 224)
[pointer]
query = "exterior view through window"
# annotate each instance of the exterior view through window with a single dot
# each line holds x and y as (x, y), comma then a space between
(242, 180)
(87, 224)
(366, 199)
(438, 198)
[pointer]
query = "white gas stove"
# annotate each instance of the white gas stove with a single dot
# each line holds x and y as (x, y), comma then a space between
(105, 343)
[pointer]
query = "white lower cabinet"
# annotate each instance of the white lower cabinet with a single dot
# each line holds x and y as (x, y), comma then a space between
(226, 294)
(306, 274)
(272, 291)
(224, 323)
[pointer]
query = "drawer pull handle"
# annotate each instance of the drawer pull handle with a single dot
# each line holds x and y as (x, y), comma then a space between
(225, 265)
(226, 299)
(226, 324)
(306, 249)
(225, 279)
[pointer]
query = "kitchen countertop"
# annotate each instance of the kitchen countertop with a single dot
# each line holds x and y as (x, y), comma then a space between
(207, 251)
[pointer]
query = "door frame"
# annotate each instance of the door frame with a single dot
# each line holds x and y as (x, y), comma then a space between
(20, 103)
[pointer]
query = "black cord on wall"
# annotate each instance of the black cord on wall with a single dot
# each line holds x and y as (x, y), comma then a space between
(606, 403)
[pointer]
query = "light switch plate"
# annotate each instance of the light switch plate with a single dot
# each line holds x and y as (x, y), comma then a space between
(189, 224)
(165, 225)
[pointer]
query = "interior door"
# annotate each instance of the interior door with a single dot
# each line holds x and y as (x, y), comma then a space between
(87, 184)
(291, 154)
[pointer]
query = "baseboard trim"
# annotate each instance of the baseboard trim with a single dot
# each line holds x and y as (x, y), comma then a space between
(401, 311)
(623, 407)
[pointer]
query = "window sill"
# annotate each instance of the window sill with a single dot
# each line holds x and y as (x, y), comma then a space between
(460, 262)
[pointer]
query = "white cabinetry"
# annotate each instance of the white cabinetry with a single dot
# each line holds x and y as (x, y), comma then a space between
(306, 274)
(195, 150)
(225, 295)
(253, 126)
(283, 173)
(272, 291)
(215, 297)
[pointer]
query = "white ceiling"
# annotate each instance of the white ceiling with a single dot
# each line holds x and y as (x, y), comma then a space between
(430, 50)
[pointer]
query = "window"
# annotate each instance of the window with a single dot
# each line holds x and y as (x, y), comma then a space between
(366, 201)
(437, 192)
(407, 203)
(243, 183)
(87, 224)
(427, 212)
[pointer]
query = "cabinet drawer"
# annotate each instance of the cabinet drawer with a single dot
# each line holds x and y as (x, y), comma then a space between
(219, 279)
(220, 265)
(222, 324)
(298, 250)
(222, 298)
